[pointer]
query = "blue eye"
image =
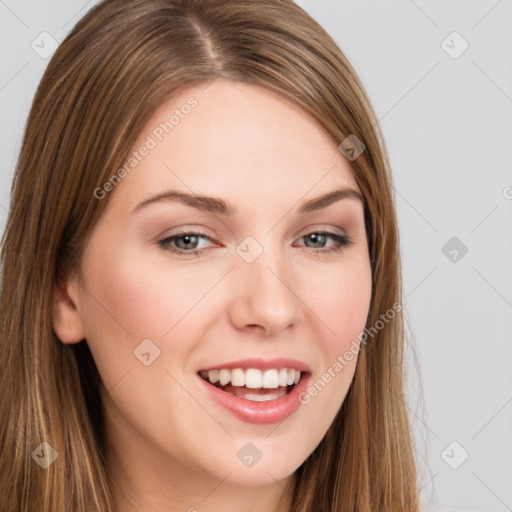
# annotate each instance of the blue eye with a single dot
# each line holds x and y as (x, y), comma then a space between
(340, 240)
(190, 243)
(189, 240)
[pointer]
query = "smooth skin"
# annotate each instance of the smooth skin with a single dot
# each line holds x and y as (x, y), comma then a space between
(171, 447)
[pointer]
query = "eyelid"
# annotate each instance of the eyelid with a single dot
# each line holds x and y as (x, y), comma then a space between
(313, 229)
(340, 237)
(187, 229)
(203, 231)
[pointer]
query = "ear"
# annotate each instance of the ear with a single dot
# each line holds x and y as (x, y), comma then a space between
(66, 319)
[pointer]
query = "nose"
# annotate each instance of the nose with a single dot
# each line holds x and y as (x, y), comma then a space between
(263, 295)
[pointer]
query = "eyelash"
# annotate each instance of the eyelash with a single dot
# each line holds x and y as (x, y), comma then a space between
(341, 241)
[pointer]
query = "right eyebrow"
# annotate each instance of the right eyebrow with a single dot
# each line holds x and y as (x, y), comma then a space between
(205, 203)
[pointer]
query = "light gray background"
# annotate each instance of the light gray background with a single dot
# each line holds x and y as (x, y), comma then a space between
(448, 126)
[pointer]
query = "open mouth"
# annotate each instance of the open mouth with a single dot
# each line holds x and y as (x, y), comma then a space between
(253, 384)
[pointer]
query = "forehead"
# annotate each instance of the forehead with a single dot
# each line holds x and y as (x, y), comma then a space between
(238, 140)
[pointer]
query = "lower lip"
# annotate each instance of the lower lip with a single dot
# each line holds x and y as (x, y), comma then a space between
(263, 413)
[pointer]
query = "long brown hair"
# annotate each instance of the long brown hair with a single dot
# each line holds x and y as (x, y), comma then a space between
(118, 64)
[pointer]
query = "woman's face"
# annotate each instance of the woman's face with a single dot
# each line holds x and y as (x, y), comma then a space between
(266, 283)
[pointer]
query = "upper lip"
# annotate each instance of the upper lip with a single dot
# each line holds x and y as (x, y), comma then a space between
(262, 364)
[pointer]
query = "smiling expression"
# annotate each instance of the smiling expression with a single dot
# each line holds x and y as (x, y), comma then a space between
(259, 268)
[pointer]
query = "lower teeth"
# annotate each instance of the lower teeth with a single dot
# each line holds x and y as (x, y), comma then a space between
(249, 394)
(255, 395)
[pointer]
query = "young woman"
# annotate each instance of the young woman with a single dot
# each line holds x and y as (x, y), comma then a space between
(201, 295)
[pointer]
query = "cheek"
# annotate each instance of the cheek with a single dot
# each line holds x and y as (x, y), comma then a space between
(341, 300)
(135, 295)
(144, 298)
(128, 299)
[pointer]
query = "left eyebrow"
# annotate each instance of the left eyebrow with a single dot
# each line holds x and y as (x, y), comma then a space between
(219, 206)
(325, 200)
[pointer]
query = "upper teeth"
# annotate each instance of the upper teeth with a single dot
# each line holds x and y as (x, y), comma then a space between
(252, 377)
